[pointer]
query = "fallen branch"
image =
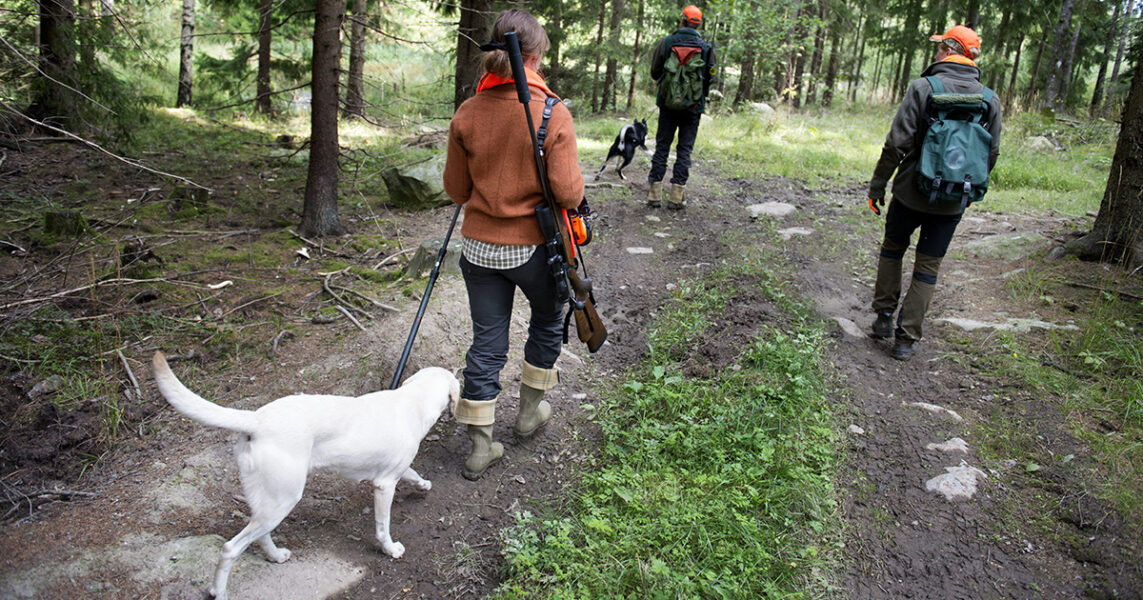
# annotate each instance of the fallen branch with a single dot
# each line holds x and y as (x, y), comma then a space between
(355, 321)
(1099, 289)
(392, 257)
(341, 301)
(122, 159)
(84, 288)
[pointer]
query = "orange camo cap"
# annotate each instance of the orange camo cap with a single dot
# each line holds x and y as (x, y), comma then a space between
(964, 36)
(692, 14)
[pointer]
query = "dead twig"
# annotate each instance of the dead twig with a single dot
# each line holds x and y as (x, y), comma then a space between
(281, 334)
(130, 374)
(372, 301)
(355, 321)
(254, 301)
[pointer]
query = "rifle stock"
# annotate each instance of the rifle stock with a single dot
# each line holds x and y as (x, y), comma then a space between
(562, 256)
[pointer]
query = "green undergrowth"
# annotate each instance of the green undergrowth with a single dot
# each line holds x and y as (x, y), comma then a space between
(841, 146)
(1083, 382)
(717, 487)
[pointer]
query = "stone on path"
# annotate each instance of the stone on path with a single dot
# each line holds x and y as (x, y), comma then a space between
(640, 250)
(953, 445)
(958, 482)
(849, 327)
(790, 232)
(1010, 324)
(856, 430)
(1010, 246)
(933, 408)
(770, 209)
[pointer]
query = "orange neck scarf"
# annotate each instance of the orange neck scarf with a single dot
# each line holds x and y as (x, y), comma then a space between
(491, 80)
(958, 58)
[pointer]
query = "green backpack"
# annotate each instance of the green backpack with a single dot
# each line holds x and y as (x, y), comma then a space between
(682, 83)
(953, 167)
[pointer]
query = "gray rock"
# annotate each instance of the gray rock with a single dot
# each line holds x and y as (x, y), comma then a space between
(1040, 144)
(1010, 246)
(426, 256)
(417, 186)
(958, 482)
(771, 209)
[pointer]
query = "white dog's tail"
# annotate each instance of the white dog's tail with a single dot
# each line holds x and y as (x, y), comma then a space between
(195, 407)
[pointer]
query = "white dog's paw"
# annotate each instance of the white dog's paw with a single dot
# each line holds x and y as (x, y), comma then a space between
(281, 556)
(424, 485)
(394, 549)
(216, 595)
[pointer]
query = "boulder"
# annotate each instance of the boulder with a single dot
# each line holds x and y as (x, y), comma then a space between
(417, 186)
(426, 256)
(1040, 144)
(1010, 246)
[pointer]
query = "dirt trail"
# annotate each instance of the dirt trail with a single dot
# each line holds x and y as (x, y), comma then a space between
(162, 505)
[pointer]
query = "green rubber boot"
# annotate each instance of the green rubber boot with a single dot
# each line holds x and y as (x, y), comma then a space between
(484, 451)
(534, 411)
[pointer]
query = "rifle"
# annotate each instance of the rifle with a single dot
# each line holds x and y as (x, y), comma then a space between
(563, 260)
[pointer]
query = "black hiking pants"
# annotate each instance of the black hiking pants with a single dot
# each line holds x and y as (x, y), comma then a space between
(491, 293)
(687, 124)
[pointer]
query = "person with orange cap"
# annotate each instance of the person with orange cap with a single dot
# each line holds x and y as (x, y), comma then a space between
(955, 71)
(683, 66)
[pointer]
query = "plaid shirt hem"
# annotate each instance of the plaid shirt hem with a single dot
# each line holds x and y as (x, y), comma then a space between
(496, 256)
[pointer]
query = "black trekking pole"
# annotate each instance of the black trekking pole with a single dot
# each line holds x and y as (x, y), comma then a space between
(424, 301)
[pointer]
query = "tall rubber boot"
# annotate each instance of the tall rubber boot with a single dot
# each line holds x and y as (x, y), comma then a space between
(917, 299)
(479, 415)
(534, 410)
(654, 194)
(678, 199)
(484, 451)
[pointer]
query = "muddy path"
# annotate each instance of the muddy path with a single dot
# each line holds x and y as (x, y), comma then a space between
(150, 522)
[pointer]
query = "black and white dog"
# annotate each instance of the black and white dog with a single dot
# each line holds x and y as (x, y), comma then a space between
(623, 148)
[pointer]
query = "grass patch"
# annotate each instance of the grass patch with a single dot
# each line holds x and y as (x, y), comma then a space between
(704, 488)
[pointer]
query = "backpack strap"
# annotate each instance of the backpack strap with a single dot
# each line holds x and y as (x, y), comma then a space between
(542, 132)
(935, 82)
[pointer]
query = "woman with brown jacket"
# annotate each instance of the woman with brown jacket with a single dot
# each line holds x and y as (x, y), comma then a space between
(490, 169)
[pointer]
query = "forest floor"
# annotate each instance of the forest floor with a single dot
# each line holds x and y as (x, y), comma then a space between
(150, 511)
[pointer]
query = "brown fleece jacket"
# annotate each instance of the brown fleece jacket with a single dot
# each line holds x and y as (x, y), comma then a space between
(490, 167)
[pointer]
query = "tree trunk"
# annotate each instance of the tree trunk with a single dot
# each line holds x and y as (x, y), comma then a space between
(798, 60)
(635, 55)
(355, 86)
(912, 23)
(1010, 93)
(1030, 93)
(611, 75)
(1066, 68)
(57, 61)
(1117, 235)
(1055, 75)
(1104, 58)
(832, 66)
(186, 55)
(598, 56)
(1123, 30)
(556, 36)
(816, 59)
(997, 71)
(972, 15)
(746, 80)
(855, 75)
(265, 37)
(319, 214)
(473, 30)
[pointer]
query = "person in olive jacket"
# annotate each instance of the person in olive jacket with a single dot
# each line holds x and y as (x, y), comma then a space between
(491, 171)
(910, 208)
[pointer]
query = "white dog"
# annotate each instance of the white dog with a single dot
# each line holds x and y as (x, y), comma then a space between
(369, 438)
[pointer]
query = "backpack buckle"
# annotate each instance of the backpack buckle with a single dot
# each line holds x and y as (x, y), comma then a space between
(966, 193)
(936, 190)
